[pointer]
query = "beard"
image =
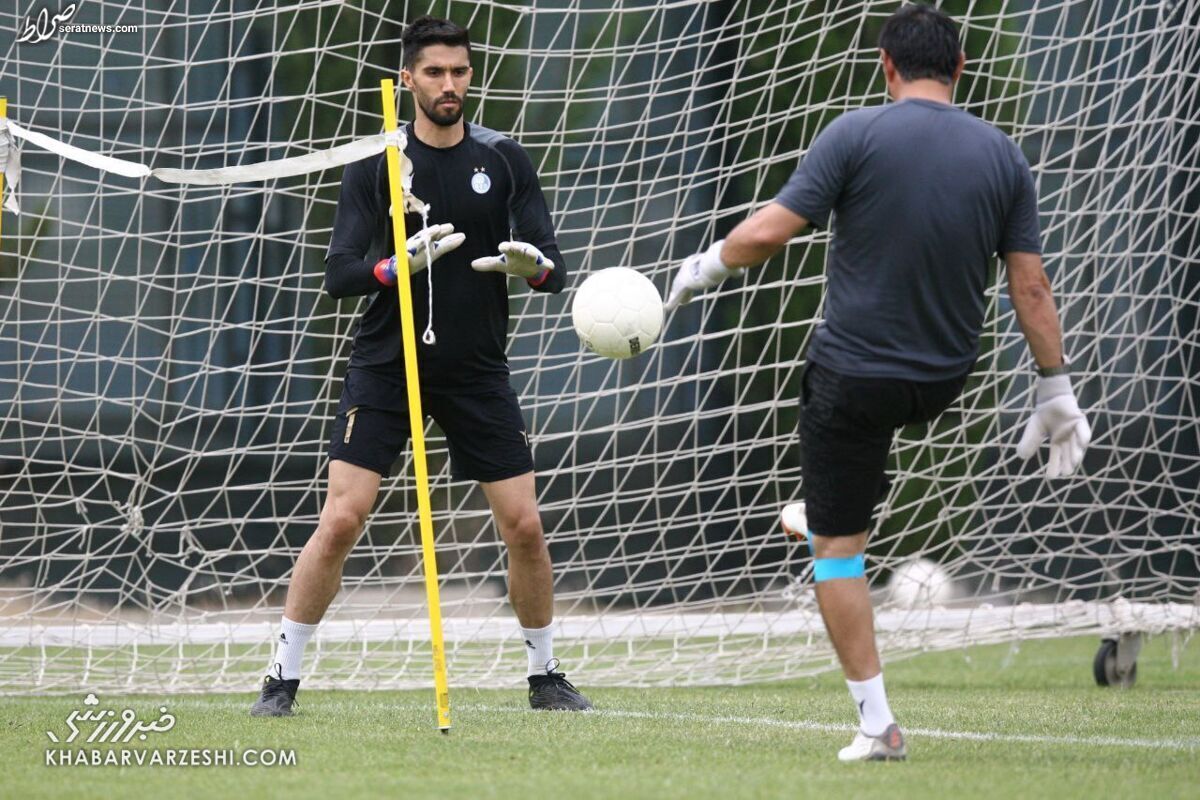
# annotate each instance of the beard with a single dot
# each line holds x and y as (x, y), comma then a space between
(444, 116)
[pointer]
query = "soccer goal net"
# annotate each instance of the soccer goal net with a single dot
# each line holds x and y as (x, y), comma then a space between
(170, 366)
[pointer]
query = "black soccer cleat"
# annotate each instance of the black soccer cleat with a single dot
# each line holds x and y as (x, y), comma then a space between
(278, 697)
(553, 692)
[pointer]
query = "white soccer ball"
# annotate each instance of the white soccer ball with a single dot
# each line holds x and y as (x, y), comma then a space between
(920, 582)
(617, 312)
(795, 521)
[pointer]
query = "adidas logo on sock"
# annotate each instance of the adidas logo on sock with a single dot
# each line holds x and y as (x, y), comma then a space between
(283, 638)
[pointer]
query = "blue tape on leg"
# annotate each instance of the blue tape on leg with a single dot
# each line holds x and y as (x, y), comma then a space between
(829, 569)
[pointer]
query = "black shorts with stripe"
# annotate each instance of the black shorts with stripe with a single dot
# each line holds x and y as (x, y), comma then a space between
(484, 430)
(847, 425)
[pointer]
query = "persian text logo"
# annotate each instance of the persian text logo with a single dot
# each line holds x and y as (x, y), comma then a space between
(100, 737)
(111, 726)
(41, 26)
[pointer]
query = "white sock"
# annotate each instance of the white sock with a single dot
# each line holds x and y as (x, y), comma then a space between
(873, 712)
(539, 646)
(293, 638)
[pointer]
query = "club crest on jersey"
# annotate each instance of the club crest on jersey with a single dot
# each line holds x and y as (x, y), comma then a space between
(480, 181)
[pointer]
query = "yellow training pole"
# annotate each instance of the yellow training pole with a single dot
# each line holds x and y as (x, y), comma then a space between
(415, 417)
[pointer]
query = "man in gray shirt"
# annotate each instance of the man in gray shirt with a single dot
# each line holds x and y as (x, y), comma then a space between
(921, 196)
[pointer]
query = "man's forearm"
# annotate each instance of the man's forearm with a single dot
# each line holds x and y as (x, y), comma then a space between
(349, 276)
(744, 248)
(760, 236)
(1038, 318)
(751, 243)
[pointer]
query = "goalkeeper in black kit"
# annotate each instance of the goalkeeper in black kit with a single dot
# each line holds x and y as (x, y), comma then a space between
(488, 221)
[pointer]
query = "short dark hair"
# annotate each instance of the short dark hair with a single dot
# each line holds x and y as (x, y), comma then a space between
(424, 31)
(922, 42)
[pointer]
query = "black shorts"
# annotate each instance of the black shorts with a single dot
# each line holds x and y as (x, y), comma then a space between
(484, 430)
(846, 429)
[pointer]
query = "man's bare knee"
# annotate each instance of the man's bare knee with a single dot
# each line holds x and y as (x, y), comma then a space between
(352, 492)
(839, 546)
(341, 525)
(523, 535)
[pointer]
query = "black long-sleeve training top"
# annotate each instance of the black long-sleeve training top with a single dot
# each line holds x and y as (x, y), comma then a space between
(487, 188)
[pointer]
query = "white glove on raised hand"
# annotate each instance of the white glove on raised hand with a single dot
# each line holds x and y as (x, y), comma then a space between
(697, 273)
(516, 258)
(1057, 416)
(441, 240)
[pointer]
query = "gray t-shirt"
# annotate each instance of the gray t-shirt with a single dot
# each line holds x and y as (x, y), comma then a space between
(923, 196)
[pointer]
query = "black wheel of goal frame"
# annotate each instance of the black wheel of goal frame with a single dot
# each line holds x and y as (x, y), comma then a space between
(1104, 666)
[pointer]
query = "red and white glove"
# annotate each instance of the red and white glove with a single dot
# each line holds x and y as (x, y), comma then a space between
(426, 244)
(520, 259)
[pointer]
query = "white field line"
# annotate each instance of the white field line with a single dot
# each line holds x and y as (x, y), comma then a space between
(932, 733)
(195, 701)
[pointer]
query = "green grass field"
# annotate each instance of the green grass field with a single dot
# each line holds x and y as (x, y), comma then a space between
(986, 722)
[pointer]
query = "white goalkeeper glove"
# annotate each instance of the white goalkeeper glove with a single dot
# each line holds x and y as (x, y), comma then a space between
(697, 273)
(434, 241)
(516, 258)
(1057, 416)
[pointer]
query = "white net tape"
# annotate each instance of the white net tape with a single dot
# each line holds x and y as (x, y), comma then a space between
(10, 162)
(169, 362)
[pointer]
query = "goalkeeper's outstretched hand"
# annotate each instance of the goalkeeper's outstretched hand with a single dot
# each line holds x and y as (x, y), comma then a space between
(697, 273)
(432, 242)
(516, 258)
(1058, 417)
